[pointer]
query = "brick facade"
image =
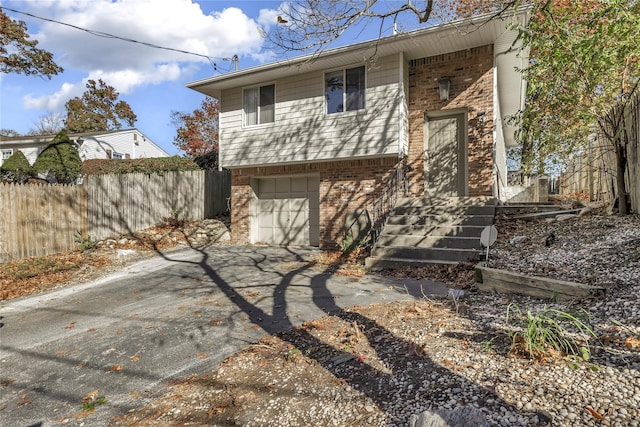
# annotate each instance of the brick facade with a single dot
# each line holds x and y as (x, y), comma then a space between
(471, 74)
(347, 186)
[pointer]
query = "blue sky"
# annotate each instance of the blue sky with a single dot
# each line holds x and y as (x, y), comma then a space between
(151, 80)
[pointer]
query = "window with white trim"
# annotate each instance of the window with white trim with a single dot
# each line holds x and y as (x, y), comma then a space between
(6, 153)
(117, 156)
(258, 105)
(344, 90)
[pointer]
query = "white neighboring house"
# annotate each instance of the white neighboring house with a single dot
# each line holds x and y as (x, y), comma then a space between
(113, 144)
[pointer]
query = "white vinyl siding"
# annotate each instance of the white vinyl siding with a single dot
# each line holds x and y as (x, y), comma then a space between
(122, 145)
(303, 132)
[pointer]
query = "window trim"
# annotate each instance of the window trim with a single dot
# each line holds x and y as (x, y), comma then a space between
(6, 150)
(344, 92)
(244, 115)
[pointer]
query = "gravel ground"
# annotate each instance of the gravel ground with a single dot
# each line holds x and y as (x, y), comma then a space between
(379, 365)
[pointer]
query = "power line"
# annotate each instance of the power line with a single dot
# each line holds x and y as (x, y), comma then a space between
(113, 36)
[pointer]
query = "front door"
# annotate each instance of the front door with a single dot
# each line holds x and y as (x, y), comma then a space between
(445, 155)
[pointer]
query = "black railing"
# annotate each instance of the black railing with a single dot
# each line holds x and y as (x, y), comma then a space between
(395, 187)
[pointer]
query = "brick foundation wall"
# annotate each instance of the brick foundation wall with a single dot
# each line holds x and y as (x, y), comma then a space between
(345, 186)
(471, 74)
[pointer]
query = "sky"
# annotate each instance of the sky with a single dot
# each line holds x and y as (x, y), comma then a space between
(151, 80)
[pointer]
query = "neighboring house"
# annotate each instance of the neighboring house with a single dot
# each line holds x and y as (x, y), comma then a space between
(113, 144)
(313, 139)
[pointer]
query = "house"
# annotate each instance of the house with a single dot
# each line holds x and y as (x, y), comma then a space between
(112, 144)
(311, 141)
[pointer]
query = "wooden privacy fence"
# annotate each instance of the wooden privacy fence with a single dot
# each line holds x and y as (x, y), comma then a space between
(121, 204)
(594, 171)
(37, 220)
(590, 173)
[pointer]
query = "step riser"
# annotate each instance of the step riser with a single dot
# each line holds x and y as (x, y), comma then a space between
(431, 254)
(376, 264)
(418, 230)
(434, 220)
(450, 201)
(444, 210)
(430, 242)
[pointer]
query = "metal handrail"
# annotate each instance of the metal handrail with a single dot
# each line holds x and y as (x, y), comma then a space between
(379, 212)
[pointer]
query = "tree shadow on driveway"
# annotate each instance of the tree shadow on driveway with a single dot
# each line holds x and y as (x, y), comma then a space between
(273, 314)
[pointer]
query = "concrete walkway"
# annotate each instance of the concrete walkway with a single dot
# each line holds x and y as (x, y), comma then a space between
(183, 312)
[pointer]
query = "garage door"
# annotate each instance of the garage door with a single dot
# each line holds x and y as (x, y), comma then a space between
(288, 210)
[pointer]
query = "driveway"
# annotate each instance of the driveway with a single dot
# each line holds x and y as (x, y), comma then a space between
(124, 338)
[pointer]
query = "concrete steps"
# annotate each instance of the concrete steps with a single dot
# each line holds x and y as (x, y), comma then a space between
(432, 231)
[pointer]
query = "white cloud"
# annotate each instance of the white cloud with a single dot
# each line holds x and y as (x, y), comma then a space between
(268, 17)
(124, 81)
(55, 101)
(177, 24)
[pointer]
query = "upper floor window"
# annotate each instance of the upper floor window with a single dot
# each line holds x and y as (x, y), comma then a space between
(344, 90)
(258, 104)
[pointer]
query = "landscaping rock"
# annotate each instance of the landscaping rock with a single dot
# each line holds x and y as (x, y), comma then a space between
(465, 416)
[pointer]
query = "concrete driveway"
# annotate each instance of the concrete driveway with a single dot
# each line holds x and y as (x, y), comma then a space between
(126, 336)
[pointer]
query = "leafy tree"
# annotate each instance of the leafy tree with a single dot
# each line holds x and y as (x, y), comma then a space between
(312, 24)
(59, 160)
(197, 132)
(19, 54)
(585, 60)
(97, 110)
(16, 168)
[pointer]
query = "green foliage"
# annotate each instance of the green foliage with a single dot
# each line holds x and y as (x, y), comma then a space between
(350, 244)
(85, 243)
(208, 161)
(90, 404)
(488, 345)
(174, 220)
(148, 166)
(59, 160)
(293, 354)
(538, 335)
(584, 60)
(16, 168)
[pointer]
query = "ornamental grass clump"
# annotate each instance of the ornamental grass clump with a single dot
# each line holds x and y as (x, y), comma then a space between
(549, 332)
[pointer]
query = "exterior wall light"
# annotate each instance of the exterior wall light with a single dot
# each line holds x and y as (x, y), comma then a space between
(444, 85)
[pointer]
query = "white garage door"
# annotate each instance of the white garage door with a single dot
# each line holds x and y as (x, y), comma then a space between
(288, 211)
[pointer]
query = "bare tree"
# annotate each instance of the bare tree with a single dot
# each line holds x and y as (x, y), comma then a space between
(48, 124)
(312, 24)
